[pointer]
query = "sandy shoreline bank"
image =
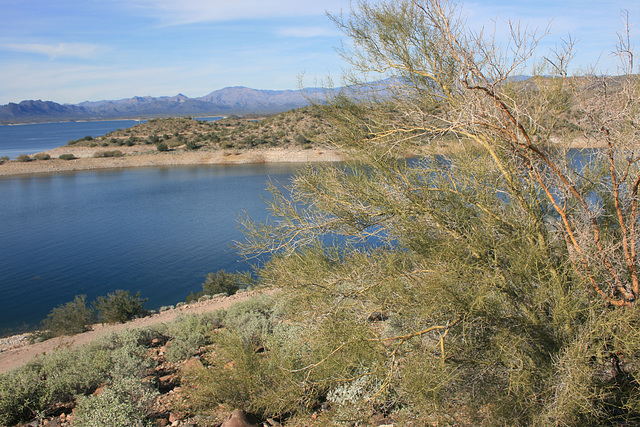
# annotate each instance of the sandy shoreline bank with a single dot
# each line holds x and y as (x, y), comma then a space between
(133, 158)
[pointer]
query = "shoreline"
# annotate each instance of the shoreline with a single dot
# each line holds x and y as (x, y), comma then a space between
(132, 158)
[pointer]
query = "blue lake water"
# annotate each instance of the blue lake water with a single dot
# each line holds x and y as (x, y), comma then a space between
(33, 138)
(154, 230)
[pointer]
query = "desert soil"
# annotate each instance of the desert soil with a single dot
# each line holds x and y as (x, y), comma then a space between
(133, 157)
(15, 351)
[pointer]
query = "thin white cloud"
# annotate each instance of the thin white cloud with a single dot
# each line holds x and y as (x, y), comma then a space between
(54, 51)
(304, 32)
(192, 11)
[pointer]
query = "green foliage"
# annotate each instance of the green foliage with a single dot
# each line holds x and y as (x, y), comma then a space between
(117, 361)
(126, 402)
(221, 282)
(162, 146)
(70, 318)
(23, 158)
(67, 156)
(189, 333)
(108, 153)
(120, 306)
(192, 145)
(41, 156)
(497, 267)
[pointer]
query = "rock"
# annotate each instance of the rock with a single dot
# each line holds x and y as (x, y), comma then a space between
(173, 417)
(238, 419)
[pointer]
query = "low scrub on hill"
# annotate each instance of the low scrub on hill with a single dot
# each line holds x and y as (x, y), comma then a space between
(303, 128)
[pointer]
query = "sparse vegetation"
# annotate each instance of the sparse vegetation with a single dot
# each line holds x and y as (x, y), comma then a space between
(24, 158)
(108, 153)
(66, 156)
(233, 131)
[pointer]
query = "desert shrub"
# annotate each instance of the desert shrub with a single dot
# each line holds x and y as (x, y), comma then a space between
(162, 146)
(19, 395)
(189, 333)
(280, 367)
(67, 156)
(265, 383)
(126, 402)
(109, 153)
(55, 378)
(127, 352)
(300, 139)
(120, 306)
(23, 158)
(70, 318)
(221, 282)
(251, 320)
(117, 361)
(192, 145)
(42, 156)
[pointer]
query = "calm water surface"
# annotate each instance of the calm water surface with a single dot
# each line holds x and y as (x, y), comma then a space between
(33, 138)
(154, 230)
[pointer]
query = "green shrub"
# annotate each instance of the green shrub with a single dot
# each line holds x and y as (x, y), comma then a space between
(24, 158)
(192, 145)
(162, 146)
(112, 153)
(67, 156)
(118, 361)
(221, 282)
(70, 318)
(120, 306)
(190, 333)
(49, 380)
(266, 380)
(124, 403)
(42, 156)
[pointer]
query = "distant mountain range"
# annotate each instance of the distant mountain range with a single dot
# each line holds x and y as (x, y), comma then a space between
(227, 101)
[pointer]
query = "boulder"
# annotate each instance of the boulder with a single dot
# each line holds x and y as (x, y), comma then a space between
(238, 418)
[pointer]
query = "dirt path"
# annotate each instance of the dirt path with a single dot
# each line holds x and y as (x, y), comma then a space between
(15, 351)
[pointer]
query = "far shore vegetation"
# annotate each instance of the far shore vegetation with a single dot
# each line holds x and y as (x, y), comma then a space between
(493, 284)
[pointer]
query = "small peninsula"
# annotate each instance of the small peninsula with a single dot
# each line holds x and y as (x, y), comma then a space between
(299, 135)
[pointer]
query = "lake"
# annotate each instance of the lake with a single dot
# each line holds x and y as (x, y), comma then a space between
(154, 230)
(34, 138)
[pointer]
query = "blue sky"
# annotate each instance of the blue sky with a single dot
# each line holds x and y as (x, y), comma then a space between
(69, 51)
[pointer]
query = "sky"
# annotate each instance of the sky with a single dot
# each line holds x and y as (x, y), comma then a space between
(69, 51)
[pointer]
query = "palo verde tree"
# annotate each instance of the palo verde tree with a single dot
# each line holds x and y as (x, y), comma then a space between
(493, 277)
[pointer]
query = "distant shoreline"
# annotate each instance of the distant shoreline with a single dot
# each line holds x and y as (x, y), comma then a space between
(132, 158)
